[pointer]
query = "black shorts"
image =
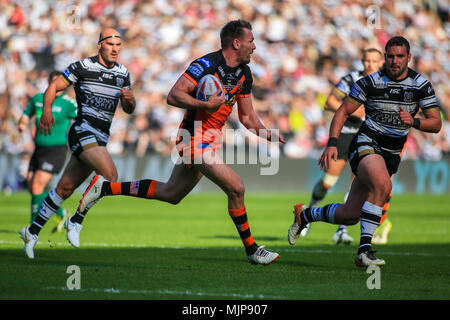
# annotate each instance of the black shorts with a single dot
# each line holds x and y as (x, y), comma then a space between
(82, 138)
(49, 159)
(367, 142)
(343, 145)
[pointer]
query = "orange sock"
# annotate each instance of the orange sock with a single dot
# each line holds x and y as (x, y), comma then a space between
(140, 188)
(239, 217)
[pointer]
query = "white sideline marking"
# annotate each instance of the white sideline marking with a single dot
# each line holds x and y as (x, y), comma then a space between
(169, 292)
(297, 250)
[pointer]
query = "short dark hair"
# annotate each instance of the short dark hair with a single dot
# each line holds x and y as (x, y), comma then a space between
(397, 41)
(233, 30)
(52, 74)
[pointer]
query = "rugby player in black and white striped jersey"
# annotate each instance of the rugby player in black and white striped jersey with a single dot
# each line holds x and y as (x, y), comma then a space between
(392, 97)
(372, 60)
(100, 83)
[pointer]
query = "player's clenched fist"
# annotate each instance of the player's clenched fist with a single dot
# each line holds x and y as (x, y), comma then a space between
(126, 95)
(127, 100)
(406, 117)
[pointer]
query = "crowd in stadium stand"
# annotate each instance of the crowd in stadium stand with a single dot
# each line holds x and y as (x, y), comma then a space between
(302, 49)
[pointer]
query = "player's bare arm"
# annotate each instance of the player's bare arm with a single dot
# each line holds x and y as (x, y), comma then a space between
(432, 122)
(127, 100)
(345, 110)
(47, 121)
(180, 96)
(250, 120)
(334, 101)
(360, 113)
(248, 116)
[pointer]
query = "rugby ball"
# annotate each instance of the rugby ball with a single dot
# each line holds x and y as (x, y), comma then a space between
(208, 86)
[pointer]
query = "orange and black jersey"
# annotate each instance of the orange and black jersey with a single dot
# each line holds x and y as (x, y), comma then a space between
(236, 82)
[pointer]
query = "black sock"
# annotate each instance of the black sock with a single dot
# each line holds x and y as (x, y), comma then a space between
(78, 217)
(48, 208)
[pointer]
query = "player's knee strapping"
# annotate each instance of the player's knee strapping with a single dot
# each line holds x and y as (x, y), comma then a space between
(321, 188)
(329, 180)
(239, 217)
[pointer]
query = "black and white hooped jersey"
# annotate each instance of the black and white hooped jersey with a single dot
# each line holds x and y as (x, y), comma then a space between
(382, 98)
(97, 90)
(343, 88)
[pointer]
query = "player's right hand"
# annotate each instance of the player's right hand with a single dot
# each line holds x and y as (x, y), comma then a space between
(215, 102)
(46, 123)
(406, 117)
(328, 155)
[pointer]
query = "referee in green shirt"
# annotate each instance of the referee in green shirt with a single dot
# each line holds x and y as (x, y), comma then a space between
(50, 151)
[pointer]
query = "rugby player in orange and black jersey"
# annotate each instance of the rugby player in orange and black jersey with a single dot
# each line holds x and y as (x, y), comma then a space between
(237, 43)
(237, 83)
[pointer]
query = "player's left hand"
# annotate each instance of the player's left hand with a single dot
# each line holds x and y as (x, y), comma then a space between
(126, 95)
(127, 100)
(278, 137)
(406, 117)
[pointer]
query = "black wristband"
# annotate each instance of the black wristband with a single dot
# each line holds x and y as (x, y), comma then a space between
(416, 123)
(332, 142)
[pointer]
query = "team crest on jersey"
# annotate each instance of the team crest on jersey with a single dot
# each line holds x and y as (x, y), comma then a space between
(230, 99)
(120, 81)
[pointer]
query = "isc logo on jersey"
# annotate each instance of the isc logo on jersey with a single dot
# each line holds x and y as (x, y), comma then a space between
(208, 86)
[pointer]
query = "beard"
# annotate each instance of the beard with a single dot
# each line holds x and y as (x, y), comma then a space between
(397, 72)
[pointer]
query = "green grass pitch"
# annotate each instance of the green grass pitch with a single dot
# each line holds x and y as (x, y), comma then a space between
(143, 249)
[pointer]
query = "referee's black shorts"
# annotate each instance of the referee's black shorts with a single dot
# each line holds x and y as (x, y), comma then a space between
(49, 159)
